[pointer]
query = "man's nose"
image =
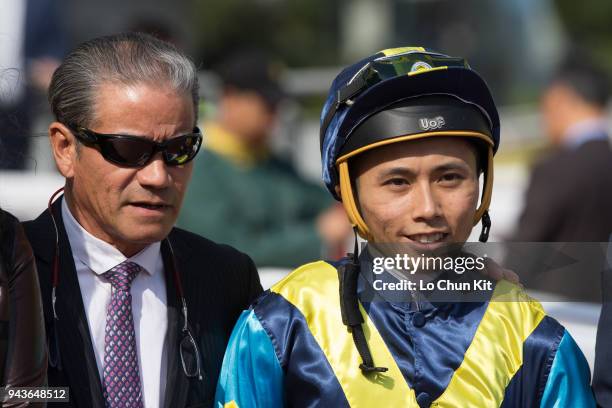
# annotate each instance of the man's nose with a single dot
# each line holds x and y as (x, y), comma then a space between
(425, 205)
(155, 174)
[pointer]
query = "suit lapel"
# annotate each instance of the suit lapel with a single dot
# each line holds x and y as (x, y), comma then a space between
(177, 383)
(76, 350)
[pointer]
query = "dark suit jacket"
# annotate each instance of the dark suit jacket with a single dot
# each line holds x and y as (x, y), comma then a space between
(569, 199)
(218, 281)
(570, 196)
(602, 373)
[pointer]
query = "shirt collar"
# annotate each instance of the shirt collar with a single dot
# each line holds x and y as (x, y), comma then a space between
(230, 146)
(585, 131)
(100, 256)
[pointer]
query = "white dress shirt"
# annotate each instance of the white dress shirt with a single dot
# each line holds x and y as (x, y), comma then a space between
(93, 257)
(585, 131)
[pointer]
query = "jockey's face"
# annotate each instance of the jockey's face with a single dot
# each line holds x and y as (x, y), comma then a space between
(421, 192)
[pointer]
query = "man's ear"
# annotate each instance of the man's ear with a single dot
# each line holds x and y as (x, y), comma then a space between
(64, 148)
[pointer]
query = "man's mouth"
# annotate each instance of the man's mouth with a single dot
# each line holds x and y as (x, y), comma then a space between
(428, 238)
(151, 206)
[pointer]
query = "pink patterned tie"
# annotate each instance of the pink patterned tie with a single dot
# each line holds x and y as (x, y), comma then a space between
(121, 374)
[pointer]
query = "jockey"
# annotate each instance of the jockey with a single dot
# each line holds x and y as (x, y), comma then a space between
(406, 134)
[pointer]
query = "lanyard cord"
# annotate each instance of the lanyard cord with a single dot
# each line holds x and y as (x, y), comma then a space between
(53, 341)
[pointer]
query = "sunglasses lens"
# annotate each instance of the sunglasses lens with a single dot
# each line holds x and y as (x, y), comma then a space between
(182, 149)
(127, 152)
(189, 356)
(135, 151)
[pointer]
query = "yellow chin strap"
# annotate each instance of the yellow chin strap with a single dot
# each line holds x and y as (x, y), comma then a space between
(346, 189)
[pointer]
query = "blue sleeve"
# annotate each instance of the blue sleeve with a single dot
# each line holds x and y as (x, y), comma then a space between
(251, 375)
(569, 379)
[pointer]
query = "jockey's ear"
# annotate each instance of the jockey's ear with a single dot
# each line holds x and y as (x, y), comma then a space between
(337, 188)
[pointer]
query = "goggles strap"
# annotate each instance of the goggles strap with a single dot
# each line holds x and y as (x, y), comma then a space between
(342, 96)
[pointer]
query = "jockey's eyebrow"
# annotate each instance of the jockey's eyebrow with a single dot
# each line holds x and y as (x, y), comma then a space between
(408, 172)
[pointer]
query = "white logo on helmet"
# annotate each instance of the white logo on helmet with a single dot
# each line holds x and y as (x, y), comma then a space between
(431, 123)
(420, 66)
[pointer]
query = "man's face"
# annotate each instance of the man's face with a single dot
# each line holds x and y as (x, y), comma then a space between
(248, 115)
(556, 106)
(132, 207)
(423, 193)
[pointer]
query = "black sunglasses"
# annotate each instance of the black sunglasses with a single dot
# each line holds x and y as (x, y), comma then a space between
(190, 356)
(189, 351)
(137, 151)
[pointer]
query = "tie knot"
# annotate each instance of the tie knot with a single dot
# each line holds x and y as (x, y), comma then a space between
(122, 275)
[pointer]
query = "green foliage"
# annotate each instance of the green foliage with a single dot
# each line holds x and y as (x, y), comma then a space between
(588, 24)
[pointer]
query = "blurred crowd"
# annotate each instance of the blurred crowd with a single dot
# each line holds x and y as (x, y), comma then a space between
(31, 46)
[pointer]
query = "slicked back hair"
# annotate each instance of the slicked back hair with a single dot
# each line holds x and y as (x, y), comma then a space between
(124, 59)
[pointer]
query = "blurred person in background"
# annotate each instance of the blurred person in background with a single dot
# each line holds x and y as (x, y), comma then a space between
(242, 194)
(23, 351)
(31, 47)
(569, 198)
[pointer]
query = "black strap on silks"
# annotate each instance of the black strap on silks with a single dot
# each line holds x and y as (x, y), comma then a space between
(348, 274)
(486, 227)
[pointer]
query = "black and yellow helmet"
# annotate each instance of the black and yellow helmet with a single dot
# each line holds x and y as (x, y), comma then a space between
(405, 94)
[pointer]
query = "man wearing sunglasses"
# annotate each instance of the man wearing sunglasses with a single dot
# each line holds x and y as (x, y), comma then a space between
(137, 312)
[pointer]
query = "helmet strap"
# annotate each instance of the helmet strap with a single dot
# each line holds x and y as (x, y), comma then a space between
(355, 246)
(486, 227)
(348, 275)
